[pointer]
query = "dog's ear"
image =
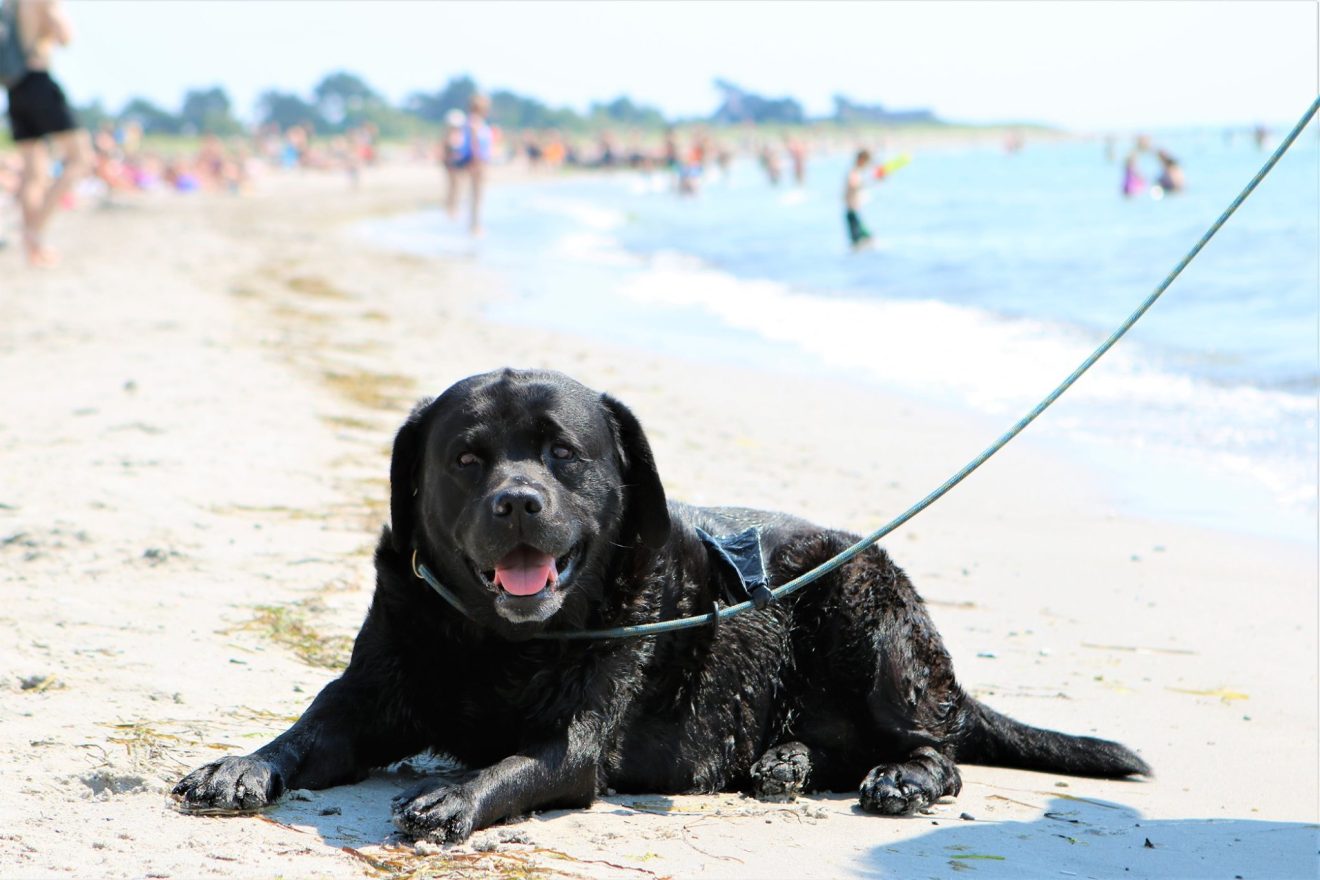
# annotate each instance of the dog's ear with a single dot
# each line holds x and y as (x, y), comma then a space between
(405, 477)
(646, 513)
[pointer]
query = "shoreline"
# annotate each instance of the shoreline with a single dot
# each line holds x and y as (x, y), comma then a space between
(199, 455)
(679, 305)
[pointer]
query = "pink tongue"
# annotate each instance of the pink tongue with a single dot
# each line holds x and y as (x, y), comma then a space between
(525, 572)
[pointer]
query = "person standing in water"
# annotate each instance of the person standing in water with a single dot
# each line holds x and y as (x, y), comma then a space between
(38, 112)
(770, 164)
(797, 155)
(1133, 183)
(858, 234)
(1172, 179)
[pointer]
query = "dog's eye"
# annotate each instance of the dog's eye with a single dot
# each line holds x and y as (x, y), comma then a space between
(562, 452)
(467, 459)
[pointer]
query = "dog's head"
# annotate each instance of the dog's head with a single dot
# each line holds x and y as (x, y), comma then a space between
(520, 488)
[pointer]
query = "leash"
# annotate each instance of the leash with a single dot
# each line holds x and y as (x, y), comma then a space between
(797, 583)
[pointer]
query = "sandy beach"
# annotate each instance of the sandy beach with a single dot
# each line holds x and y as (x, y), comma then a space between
(197, 414)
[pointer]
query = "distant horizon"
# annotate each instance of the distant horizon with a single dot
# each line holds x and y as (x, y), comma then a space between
(251, 118)
(249, 115)
(1080, 66)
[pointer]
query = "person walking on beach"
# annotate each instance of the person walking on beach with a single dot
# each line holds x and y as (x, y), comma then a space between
(38, 112)
(472, 154)
(858, 234)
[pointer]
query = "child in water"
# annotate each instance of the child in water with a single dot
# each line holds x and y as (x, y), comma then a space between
(858, 234)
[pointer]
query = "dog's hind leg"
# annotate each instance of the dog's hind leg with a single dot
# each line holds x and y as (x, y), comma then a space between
(915, 709)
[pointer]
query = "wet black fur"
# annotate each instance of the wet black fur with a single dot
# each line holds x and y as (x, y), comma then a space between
(845, 683)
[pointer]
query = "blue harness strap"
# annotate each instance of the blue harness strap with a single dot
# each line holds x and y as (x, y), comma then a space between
(741, 557)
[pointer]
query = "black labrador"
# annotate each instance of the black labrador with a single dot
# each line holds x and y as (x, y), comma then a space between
(535, 502)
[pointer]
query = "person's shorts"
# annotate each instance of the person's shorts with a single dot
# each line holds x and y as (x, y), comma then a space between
(857, 231)
(37, 108)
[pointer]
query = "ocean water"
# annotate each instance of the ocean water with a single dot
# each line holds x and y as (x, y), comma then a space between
(992, 276)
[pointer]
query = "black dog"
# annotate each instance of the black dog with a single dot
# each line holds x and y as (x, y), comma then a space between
(536, 502)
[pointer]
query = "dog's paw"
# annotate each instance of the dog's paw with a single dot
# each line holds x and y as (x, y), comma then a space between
(897, 790)
(437, 811)
(230, 785)
(781, 773)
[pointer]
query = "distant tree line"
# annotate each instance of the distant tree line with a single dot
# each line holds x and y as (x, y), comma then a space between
(342, 101)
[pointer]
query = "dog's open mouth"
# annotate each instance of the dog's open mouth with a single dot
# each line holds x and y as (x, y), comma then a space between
(526, 571)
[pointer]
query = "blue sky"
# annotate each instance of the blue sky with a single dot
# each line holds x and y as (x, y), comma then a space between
(1082, 65)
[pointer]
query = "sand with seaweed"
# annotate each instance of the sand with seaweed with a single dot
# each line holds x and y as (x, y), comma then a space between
(195, 435)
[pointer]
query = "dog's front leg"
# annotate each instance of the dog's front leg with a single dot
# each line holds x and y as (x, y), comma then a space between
(556, 772)
(341, 736)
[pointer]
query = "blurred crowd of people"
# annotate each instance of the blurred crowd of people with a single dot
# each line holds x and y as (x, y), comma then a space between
(121, 163)
(690, 156)
(125, 162)
(469, 143)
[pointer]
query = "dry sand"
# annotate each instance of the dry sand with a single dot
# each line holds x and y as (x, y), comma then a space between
(194, 437)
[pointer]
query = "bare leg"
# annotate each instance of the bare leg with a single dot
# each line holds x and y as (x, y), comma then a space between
(477, 173)
(75, 149)
(33, 183)
(451, 191)
(39, 196)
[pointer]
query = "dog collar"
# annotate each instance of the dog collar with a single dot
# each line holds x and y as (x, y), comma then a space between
(420, 570)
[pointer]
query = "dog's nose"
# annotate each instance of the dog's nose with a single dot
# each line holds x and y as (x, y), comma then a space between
(517, 499)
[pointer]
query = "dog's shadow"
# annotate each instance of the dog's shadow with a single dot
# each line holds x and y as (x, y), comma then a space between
(360, 814)
(1092, 838)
